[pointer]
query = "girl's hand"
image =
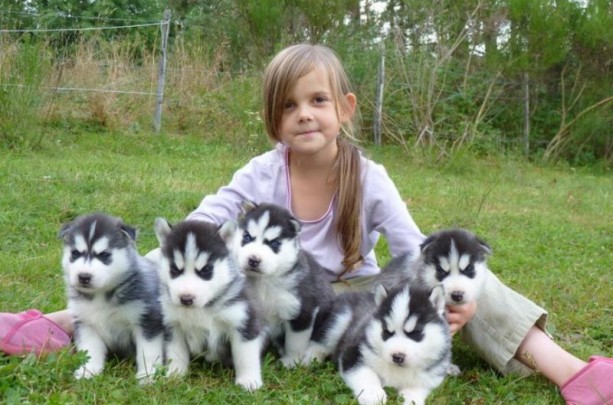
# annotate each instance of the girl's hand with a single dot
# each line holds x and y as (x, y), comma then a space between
(459, 315)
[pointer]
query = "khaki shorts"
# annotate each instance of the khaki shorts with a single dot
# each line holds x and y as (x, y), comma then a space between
(502, 321)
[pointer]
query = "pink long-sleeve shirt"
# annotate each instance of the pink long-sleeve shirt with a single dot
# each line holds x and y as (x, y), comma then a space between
(266, 179)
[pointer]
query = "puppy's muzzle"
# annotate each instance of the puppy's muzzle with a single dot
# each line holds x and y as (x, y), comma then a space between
(398, 358)
(187, 300)
(254, 262)
(457, 296)
(85, 279)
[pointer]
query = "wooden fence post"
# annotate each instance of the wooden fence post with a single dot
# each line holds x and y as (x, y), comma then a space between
(164, 27)
(378, 118)
(526, 137)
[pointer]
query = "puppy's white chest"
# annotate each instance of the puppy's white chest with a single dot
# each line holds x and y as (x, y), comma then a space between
(277, 301)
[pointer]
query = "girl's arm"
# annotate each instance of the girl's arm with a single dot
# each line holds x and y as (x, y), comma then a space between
(247, 183)
(387, 213)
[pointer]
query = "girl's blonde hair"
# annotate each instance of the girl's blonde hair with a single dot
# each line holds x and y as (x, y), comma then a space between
(280, 77)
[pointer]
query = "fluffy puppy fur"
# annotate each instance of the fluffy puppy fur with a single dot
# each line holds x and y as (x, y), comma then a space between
(206, 304)
(455, 258)
(112, 294)
(396, 339)
(291, 287)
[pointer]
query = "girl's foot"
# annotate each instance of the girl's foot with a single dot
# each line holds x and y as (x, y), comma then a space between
(592, 385)
(30, 332)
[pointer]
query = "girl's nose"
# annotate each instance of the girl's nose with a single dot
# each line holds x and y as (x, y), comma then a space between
(304, 114)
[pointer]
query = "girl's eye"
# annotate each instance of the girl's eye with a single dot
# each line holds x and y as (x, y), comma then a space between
(320, 100)
(288, 105)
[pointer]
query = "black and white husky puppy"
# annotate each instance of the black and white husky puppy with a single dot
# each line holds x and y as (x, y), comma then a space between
(206, 305)
(397, 338)
(456, 258)
(291, 286)
(112, 294)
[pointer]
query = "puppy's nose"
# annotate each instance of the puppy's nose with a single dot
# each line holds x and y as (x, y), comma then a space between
(85, 278)
(254, 261)
(187, 300)
(398, 358)
(457, 296)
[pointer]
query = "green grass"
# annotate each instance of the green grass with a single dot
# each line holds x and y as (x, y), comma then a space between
(550, 228)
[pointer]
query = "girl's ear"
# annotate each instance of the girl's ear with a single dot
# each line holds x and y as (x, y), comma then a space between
(350, 104)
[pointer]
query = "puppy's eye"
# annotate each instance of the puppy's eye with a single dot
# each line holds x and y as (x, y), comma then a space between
(440, 271)
(386, 334)
(206, 270)
(469, 269)
(415, 334)
(74, 254)
(104, 256)
(274, 244)
(247, 237)
(174, 271)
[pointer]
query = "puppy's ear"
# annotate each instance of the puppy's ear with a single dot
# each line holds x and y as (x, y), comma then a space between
(247, 205)
(130, 231)
(64, 230)
(162, 229)
(380, 294)
(487, 250)
(437, 298)
(227, 231)
(426, 244)
(296, 224)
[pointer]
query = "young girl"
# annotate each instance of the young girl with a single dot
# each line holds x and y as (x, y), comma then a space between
(345, 201)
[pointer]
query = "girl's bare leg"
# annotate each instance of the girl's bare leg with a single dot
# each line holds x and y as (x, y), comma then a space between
(539, 352)
(64, 319)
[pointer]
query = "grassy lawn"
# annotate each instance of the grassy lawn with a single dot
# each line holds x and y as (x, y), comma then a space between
(551, 230)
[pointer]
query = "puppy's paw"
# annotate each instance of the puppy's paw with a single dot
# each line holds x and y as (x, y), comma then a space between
(249, 382)
(145, 377)
(414, 397)
(85, 373)
(313, 354)
(372, 396)
(453, 370)
(290, 361)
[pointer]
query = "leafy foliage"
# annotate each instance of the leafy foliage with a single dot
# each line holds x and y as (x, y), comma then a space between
(458, 74)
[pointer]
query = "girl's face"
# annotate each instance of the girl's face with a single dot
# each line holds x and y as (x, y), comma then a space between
(310, 123)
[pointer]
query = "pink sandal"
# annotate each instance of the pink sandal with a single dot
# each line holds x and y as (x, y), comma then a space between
(592, 385)
(30, 331)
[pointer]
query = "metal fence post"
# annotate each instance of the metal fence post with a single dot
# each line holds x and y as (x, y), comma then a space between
(378, 118)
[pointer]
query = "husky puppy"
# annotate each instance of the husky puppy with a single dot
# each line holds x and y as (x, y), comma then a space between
(456, 258)
(112, 294)
(291, 286)
(397, 338)
(206, 305)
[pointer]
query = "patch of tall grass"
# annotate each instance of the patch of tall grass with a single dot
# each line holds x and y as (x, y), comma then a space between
(95, 84)
(23, 71)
